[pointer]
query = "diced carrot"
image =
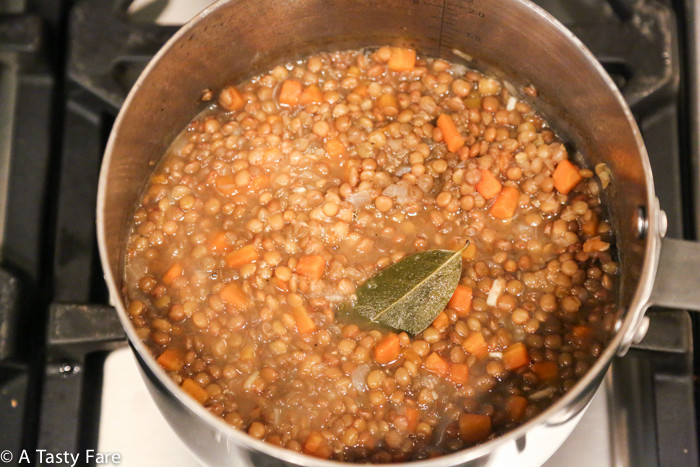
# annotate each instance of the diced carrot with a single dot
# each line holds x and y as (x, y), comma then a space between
(450, 133)
(402, 59)
(547, 372)
(590, 227)
(311, 266)
(515, 356)
(234, 295)
(488, 186)
(258, 183)
(441, 321)
(171, 360)
(225, 184)
(387, 350)
(412, 417)
(195, 390)
(461, 300)
(515, 407)
(436, 364)
(335, 148)
(506, 203)
(459, 373)
(218, 243)
(474, 428)
(566, 176)
(304, 322)
(582, 334)
(290, 92)
(242, 256)
(231, 99)
(311, 95)
(386, 101)
(318, 446)
(476, 345)
(172, 273)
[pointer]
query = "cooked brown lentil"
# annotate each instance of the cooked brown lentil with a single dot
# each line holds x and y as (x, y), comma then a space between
(273, 206)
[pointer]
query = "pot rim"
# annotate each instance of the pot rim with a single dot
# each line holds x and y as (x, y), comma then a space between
(625, 327)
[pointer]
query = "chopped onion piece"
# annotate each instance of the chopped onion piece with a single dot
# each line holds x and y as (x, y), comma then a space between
(402, 170)
(604, 174)
(462, 55)
(359, 376)
(399, 191)
(542, 394)
(511, 103)
(496, 354)
(360, 199)
(249, 382)
(495, 292)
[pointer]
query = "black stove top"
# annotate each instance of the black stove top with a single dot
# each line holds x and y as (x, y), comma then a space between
(65, 68)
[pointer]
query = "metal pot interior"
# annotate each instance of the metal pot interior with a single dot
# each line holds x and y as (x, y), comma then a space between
(234, 40)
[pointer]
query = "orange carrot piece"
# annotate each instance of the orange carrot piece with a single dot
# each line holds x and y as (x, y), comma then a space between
(488, 186)
(335, 148)
(547, 372)
(459, 373)
(171, 360)
(318, 446)
(311, 266)
(476, 345)
(412, 417)
(242, 256)
(402, 59)
(311, 95)
(582, 332)
(234, 295)
(506, 203)
(231, 99)
(290, 92)
(441, 321)
(387, 350)
(386, 101)
(566, 176)
(225, 184)
(218, 243)
(474, 428)
(436, 364)
(304, 322)
(461, 300)
(450, 134)
(172, 273)
(515, 356)
(590, 227)
(582, 335)
(515, 407)
(195, 390)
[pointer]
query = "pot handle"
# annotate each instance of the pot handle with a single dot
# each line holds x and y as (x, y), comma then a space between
(677, 282)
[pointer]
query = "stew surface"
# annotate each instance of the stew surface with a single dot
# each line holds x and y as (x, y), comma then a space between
(295, 187)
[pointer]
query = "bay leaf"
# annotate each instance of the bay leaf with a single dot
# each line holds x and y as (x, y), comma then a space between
(408, 295)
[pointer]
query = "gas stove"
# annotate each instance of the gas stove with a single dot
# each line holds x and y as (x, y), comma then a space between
(68, 381)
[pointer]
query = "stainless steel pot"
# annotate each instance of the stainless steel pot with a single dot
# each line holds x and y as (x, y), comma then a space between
(233, 40)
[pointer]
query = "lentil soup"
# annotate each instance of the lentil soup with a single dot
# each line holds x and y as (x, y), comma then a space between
(295, 187)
